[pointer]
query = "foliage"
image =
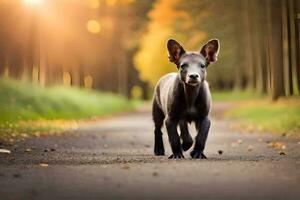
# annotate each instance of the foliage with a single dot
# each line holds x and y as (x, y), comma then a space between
(151, 60)
(252, 54)
(96, 41)
(234, 95)
(281, 117)
(24, 101)
(28, 109)
(183, 22)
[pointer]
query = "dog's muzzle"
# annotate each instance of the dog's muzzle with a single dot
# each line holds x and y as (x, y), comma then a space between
(193, 79)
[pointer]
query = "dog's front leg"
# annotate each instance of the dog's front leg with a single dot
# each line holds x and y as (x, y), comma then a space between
(171, 125)
(203, 129)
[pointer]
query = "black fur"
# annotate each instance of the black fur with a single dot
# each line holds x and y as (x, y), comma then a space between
(184, 98)
(158, 118)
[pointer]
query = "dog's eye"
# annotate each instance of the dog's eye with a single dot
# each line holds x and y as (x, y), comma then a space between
(202, 66)
(183, 66)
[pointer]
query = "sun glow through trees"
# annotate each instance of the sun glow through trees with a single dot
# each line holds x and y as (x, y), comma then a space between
(93, 26)
(33, 2)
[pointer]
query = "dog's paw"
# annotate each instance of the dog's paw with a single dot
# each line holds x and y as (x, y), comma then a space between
(198, 155)
(159, 152)
(176, 156)
(186, 145)
(159, 149)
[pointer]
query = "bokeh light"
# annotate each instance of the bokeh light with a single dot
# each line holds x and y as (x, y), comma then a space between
(33, 2)
(94, 4)
(93, 26)
(136, 92)
(88, 82)
(67, 79)
(111, 2)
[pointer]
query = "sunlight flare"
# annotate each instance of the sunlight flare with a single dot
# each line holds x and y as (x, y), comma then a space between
(111, 3)
(33, 2)
(94, 4)
(93, 26)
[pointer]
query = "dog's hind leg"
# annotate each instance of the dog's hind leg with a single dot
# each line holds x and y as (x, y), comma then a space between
(187, 140)
(158, 118)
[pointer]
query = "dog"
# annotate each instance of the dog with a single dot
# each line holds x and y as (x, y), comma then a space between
(184, 97)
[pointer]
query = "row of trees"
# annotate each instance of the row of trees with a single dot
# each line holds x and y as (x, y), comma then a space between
(116, 44)
(83, 43)
(273, 38)
(259, 42)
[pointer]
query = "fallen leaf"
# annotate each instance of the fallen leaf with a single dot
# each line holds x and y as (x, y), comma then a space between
(220, 152)
(17, 175)
(282, 153)
(37, 134)
(24, 135)
(250, 148)
(5, 151)
(283, 134)
(154, 174)
(44, 164)
(239, 141)
(277, 145)
(125, 167)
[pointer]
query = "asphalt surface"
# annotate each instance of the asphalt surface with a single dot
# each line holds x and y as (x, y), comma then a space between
(113, 159)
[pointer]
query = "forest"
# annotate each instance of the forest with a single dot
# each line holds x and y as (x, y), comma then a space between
(120, 45)
(75, 59)
(259, 42)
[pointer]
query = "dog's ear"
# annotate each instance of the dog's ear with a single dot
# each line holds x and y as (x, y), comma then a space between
(175, 51)
(210, 50)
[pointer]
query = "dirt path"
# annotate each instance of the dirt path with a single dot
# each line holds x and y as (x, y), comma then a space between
(113, 159)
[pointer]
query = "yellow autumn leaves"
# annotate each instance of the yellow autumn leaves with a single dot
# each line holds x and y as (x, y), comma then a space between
(152, 59)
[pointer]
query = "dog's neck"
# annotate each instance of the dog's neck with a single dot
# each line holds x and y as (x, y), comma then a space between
(190, 93)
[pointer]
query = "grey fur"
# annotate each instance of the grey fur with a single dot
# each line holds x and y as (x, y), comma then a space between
(184, 97)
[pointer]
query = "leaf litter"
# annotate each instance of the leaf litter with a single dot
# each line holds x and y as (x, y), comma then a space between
(5, 151)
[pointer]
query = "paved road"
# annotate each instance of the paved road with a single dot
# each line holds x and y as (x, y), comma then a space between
(113, 159)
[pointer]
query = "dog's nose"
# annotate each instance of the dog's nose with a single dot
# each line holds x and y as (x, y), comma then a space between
(194, 76)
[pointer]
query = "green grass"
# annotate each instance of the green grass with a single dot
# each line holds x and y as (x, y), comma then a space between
(261, 114)
(25, 107)
(234, 95)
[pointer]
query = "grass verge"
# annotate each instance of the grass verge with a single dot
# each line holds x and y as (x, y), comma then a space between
(282, 116)
(259, 113)
(28, 109)
(235, 95)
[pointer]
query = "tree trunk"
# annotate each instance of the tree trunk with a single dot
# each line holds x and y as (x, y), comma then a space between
(288, 77)
(250, 49)
(294, 8)
(262, 38)
(276, 53)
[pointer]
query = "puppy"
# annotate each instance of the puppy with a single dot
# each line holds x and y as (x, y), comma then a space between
(182, 98)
